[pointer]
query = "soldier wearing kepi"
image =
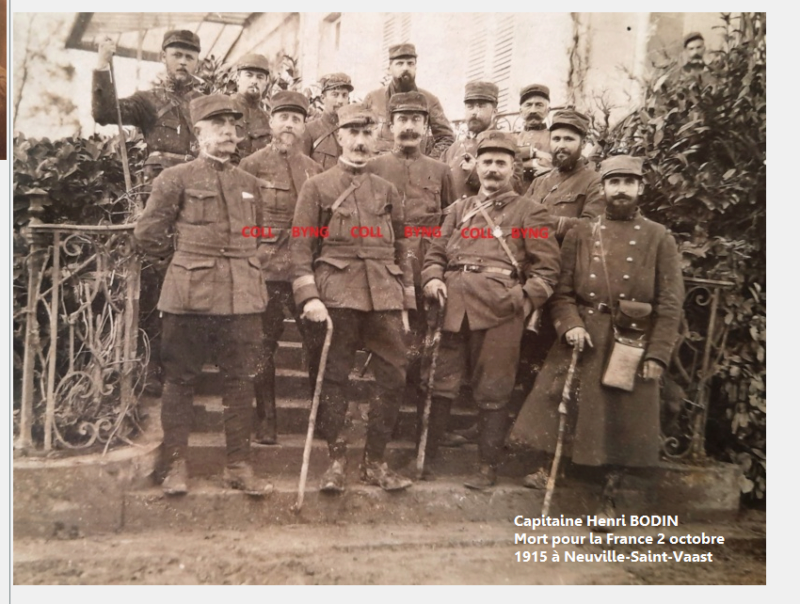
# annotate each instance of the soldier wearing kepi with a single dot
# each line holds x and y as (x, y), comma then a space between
(533, 143)
(480, 112)
(426, 186)
(282, 170)
(360, 276)
(479, 266)
(213, 292)
(403, 68)
(620, 291)
(162, 114)
(320, 142)
(252, 81)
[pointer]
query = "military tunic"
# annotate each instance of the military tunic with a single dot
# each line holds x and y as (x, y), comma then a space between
(483, 320)
(438, 124)
(212, 295)
(569, 196)
(361, 271)
(530, 141)
(162, 114)
(609, 426)
(320, 142)
(253, 128)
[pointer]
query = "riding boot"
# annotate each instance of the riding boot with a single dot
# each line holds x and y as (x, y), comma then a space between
(266, 432)
(492, 424)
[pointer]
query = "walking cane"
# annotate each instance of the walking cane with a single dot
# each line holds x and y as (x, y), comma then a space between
(126, 171)
(312, 418)
(562, 424)
(432, 346)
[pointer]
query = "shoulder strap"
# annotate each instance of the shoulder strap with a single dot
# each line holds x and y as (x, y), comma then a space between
(501, 241)
(319, 139)
(340, 200)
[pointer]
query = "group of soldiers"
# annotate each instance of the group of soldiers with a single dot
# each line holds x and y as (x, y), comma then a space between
(378, 221)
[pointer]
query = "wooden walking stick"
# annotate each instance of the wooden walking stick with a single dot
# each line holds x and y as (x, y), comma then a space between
(126, 170)
(432, 346)
(562, 424)
(312, 418)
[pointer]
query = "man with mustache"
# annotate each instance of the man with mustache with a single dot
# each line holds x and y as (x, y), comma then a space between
(403, 68)
(638, 260)
(534, 140)
(320, 142)
(162, 114)
(426, 186)
(252, 81)
(491, 280)
(213, 293)
(282, 170)
(359, 274)
(480, 111)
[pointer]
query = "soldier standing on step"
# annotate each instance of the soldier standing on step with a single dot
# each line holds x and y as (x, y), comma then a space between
(426, 186)
(360, 275)
(619, 295)
(282, 170)
(252, 81)
(162, 114)
(492, 279)
(213, 293)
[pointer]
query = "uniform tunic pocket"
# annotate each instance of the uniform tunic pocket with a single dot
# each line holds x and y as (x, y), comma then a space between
(200, 207)
(193, 279)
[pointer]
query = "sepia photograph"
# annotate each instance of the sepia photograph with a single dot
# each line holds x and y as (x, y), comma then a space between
(343, 298)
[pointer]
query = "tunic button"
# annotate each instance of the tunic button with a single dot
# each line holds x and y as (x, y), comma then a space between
(637, 227)
(633, 325)
(622, 295)
(626, 277)
(592, 294)
(597, 243)
(603, 227)
(631, 242)
(629, 259)
(592, 276)
(590, 311)
(596, 258)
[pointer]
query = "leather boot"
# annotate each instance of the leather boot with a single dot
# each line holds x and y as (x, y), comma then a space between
(490, 441)
(266, 432)
(175, 481)
(333, 481)
(239, 475)
(176, 422)
(377, 472)
(608, 508)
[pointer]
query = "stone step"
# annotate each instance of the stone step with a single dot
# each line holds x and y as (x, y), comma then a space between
(289, 383)
(207, 457)
(293, 416)
(291, 355)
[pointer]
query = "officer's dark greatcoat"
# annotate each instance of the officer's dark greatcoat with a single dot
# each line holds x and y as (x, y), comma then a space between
(610, 426)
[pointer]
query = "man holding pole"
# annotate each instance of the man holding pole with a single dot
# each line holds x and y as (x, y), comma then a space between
(350, 263)
(496, 262)
(618, 301)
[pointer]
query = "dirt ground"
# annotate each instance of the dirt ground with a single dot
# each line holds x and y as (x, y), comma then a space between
(443, 553)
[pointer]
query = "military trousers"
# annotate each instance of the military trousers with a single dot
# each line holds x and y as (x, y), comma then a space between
(382, 333)
(233, 342)
(281, 300)
(488, 356)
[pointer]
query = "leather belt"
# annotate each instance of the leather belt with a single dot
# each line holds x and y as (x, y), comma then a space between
(176, 156)
(204, 249)
(477, 268)
(598, 306)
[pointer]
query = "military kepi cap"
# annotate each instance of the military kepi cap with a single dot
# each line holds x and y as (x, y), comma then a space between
(571, 119)
(533, 90)
(204, 107)
(408, 102)
(496, 140)
(184, 37)
(253, 62)
(695, 35)
(336, 80)
(355, 114)
(402, 50)
(289, 100)
(621, 164)
(481, 91)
